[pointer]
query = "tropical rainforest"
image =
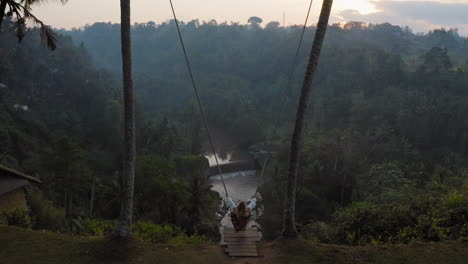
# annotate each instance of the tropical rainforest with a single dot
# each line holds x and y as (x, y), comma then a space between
(385, 151)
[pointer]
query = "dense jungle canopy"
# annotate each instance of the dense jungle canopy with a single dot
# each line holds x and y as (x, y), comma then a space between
(387, 134)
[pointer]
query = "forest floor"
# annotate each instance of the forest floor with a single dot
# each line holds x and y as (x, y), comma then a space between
(26, 246)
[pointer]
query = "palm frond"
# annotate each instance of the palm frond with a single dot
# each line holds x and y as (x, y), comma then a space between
(20, 29)
(28, 3)
(47, 35)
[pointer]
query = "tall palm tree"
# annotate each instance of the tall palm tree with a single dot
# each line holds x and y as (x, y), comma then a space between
(289, 225)
(3, 5)
(124, 228)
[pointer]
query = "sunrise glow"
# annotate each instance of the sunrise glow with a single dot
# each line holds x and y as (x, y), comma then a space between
(362, 6)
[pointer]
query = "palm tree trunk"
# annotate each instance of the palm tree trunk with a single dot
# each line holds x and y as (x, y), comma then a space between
(289, 225)
(3, 4)
(91, 200)
(124, 227)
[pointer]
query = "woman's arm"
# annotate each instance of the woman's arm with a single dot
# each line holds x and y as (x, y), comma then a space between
(230, 203)
(252, 203)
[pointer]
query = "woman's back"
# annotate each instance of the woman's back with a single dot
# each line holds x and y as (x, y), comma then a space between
(240, 216)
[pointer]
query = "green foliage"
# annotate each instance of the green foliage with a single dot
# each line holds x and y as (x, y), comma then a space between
(66, 130)
(160, 139)
(384, 176)
(100, 227)
(27, 246)
(456, 200)
(428, 227)
(17, 217)
(405, 235)
(153, 233)
(428, 218)
(386, 143)
(159, 193)
(318, 232)
(179, 195)
(92, 227)
(436, 60)
(46, 215)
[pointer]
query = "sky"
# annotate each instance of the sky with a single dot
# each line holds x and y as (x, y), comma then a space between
(419, 15)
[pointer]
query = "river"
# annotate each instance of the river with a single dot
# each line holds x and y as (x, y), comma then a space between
(240, 186)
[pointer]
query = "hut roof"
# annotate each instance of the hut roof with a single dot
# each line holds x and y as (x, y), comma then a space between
(17, 174)
(11, 179)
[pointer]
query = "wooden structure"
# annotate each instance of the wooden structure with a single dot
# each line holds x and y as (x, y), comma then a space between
(242, 243)
(12, 185)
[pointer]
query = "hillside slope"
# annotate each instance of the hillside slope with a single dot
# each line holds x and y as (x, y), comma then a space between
(25, 246)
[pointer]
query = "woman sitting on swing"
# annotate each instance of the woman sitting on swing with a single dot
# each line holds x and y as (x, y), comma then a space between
(240, 214)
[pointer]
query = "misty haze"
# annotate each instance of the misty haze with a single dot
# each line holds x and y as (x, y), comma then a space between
(248, 132)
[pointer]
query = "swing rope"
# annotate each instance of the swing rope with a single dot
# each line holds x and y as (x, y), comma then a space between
(261, 174)
(293, 65)
(290, 76)
(200, 106)
(198, 99)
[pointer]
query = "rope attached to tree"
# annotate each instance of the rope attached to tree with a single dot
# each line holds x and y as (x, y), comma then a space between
(198, 99)
(293, 65)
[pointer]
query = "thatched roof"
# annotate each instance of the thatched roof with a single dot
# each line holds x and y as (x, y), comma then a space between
(11, 172)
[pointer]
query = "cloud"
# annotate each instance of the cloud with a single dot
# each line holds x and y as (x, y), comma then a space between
(418, 15)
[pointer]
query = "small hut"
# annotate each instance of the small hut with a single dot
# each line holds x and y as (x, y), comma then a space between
(12, 193)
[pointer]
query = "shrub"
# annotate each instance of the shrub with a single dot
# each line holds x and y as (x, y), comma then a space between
(359, 222)
(429, 228)
(455, 200)
(439, 215)
(92, 227)
(46, 215)
(318, 232)
(99, 227)
(153, 233)
(18, 217)
(464, 230)
(404, 235)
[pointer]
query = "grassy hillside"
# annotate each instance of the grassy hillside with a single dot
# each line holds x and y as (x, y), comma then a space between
(25, 246)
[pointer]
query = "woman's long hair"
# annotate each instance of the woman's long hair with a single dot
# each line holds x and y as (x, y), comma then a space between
(242, 209)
